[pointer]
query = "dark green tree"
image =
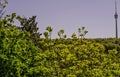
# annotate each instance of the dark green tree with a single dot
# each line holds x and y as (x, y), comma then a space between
(46, 35)
(9, 20)
(82, 32)
(26, 24)
(30, 25)
(49, 29)
(74, 36)
(61, 34)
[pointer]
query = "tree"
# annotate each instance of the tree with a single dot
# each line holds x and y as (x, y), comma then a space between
(9, 20)
(3, 4)
(49, 29)
(82, 32)
(61, 34)
(74, 36)
(30, 25)
(26, 24)
(46, 35)
(17, 52)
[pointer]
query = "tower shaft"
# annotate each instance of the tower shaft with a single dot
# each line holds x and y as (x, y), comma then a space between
(116, 17)
(116, 28)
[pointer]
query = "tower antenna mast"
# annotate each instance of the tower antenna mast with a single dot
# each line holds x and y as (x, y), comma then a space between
(116, 17)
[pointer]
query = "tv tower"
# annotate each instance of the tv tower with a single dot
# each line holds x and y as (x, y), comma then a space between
(116, 17)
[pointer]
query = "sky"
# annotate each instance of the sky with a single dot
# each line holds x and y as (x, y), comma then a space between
(97, 16)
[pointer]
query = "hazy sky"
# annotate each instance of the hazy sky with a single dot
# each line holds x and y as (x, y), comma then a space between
(96, 15)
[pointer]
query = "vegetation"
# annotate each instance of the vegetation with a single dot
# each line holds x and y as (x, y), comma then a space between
(3, 4)
(23, 53)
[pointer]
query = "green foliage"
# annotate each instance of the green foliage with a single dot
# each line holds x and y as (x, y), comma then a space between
(82, 32)
(26, 25)
(74, 36)
(9, 20)
(64, 58)
(109, 43)
(46, 35)
(17, 52)
(24, 54)
(3, 4)
(49, 29)
(30, 25)
(61, 34)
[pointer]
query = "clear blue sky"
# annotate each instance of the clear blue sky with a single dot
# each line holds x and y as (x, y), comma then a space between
(96, 15)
